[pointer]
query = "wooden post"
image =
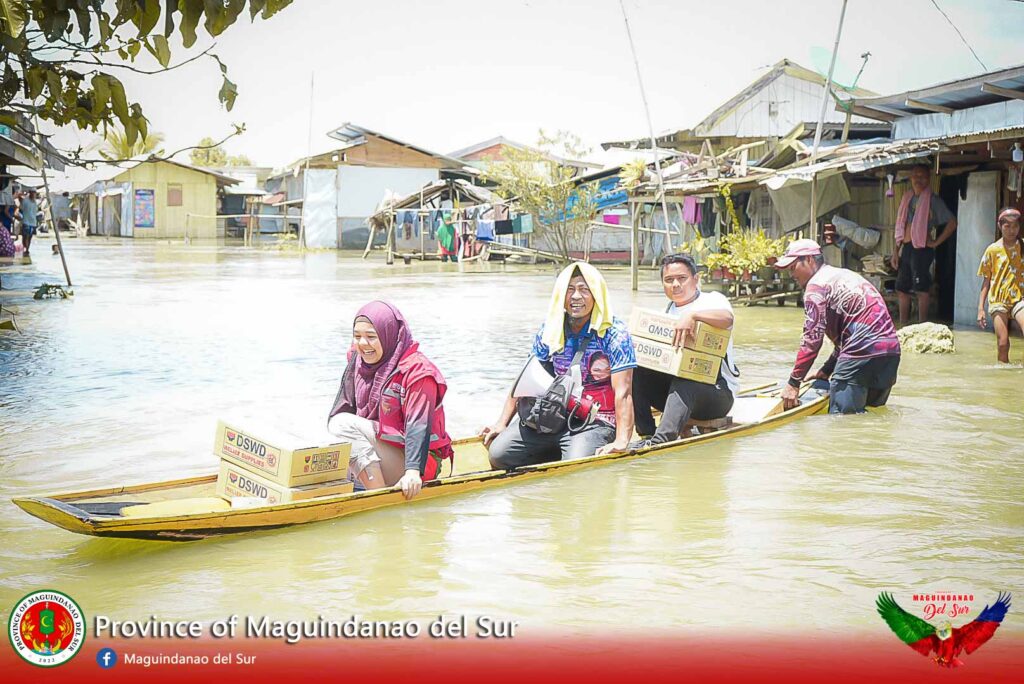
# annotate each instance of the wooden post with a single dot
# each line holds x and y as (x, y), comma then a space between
(390, 258)
(634, 249)
(369, 240)
(250, 224)
(813, 227)
(49, 200)
(846, 128)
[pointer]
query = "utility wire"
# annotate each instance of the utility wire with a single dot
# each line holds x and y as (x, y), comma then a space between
(961, 35)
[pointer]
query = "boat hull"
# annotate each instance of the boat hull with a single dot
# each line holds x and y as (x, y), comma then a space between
(70, 511)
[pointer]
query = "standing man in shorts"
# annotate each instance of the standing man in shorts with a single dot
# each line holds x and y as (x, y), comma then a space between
(920, 213)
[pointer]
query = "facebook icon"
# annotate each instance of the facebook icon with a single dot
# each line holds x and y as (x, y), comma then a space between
(107, 658)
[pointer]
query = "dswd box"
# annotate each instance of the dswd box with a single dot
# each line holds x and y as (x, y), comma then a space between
(660, 327)
(281, 457)
(681, 362)
(234, 481)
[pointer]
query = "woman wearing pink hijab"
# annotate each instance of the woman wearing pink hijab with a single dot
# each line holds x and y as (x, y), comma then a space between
(389, 405)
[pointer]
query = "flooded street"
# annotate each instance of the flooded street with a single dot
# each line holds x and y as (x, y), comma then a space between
(799, 526)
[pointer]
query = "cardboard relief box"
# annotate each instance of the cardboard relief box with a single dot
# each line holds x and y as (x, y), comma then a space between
(235, 481)
(681, 362)
(280, 457)
(660, 327)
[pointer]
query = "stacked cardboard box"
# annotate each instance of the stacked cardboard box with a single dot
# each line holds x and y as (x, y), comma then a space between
(277, 466)
(698, 359)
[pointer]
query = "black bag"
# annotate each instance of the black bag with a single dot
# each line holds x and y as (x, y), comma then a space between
(548, 414)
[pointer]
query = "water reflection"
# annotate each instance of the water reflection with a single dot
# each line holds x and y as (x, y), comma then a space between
(798, 526)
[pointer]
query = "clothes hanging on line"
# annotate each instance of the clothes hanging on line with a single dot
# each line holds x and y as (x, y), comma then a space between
(692, 210)
(503, 227)
(708, 219)
(485, 230)
(522, 224)
(433, 221)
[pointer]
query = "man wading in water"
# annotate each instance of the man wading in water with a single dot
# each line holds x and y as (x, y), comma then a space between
(848, 309)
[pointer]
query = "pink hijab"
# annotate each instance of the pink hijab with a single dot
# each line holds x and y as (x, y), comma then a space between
(361, 384)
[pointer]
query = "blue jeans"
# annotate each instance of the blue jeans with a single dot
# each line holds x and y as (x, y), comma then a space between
(845, 397)
(856, 384)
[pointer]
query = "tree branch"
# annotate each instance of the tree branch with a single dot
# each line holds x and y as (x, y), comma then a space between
(108, 65)
(73, 159)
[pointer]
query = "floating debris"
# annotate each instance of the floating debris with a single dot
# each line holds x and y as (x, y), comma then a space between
(48, 291)
(926, 338)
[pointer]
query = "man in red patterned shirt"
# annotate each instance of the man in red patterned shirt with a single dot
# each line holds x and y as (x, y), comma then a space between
(847, 309)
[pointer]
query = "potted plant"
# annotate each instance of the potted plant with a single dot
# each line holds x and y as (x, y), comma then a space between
(718, 264)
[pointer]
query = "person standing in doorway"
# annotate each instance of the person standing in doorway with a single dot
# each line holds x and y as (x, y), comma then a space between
(921, 211)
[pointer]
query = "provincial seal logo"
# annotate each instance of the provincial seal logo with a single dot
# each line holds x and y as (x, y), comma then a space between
(46, 628)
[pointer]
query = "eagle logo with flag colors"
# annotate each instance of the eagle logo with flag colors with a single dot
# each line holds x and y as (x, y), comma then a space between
(946, 641)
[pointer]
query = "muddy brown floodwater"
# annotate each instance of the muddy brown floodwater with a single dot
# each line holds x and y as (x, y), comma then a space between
(800, 526)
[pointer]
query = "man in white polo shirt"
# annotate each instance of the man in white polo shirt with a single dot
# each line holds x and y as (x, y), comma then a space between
(680, 399)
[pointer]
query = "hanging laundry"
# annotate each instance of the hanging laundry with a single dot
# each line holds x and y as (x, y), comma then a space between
(522, 224)
(762, 213)
(692, 212)
(485, 230)
(434, 218)
(709, 219)
(503, 227)
(405, 219)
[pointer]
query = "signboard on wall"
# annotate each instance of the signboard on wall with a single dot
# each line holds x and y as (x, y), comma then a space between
(145, 208)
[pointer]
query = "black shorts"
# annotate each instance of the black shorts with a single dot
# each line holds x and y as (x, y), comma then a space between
(915, 272)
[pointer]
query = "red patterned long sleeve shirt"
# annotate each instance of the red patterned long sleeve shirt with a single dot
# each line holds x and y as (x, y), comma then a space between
(846, 308)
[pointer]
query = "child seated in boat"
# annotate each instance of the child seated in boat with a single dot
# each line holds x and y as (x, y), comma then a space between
(1002, 267)
(389, 405)
(681, 399)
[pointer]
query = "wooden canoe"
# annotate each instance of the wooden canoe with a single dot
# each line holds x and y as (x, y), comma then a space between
(166, 511)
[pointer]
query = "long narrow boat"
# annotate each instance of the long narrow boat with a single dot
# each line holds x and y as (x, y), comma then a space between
(187, 510)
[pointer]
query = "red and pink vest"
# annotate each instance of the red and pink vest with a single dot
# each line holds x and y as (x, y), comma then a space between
(413, 367)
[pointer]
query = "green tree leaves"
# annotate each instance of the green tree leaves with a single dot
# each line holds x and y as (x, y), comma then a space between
(209, 154)
(12, 17)
(59, 57)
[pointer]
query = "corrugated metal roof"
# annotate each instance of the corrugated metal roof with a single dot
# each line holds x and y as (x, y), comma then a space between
(988, 88)
(353, 135)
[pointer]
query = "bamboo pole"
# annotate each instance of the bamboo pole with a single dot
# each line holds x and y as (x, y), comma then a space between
(369, 240)
(634, 249)
(821, 120)
(305, 172)
(390, 258)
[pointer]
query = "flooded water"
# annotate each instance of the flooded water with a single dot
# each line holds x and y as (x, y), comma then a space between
(799, 527)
